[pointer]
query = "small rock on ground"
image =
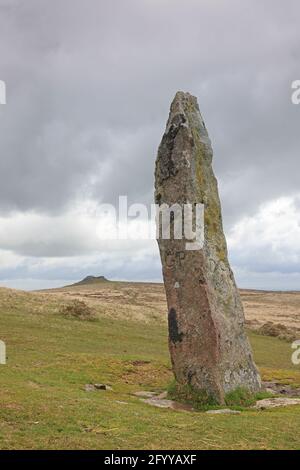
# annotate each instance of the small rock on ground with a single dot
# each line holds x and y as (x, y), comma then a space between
(102, 387)
(145, 394)
(93, 387)
(282, 389)
(164, 403)
(225, 411)
(268, 403)
(270, 390)
(159, 403)
(160, 400)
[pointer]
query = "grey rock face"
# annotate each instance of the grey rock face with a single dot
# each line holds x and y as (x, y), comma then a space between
(208, 346)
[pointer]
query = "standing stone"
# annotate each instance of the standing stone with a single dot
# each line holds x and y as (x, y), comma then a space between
(208, 345)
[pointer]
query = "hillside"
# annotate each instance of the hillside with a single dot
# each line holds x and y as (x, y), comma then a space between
(52, 357)
(88, 280)
(147, 300)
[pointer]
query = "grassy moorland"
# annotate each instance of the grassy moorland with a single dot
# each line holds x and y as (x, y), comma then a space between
(43, 402)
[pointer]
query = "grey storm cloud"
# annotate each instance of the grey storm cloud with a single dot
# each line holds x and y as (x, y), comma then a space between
(89, 86)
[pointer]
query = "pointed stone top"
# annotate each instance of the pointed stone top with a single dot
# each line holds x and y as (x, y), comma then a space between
(184, 96)
(185, 112)
(184, 103)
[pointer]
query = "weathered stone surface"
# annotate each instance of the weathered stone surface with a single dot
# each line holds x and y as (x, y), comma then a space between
(224, 411)
(268, 403)
(102, 387)
(165, 403)
(281, 389)
(209, 348)
(94, 387)
(145, 394)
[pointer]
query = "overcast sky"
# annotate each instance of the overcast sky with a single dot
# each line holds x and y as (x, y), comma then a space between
(89, 85)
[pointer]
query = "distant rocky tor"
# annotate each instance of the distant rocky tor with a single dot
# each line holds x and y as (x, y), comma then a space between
(90, 280)
(209, 349)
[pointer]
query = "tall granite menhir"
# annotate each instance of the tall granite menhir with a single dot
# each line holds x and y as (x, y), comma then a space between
(208, 345)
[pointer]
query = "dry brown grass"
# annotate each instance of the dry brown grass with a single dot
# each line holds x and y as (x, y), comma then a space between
(146, 302)
(119, 300)
(78, 309)
(277, 307)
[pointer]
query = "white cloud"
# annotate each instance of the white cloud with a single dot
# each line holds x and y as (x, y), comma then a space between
(265, 247)
(80, 242)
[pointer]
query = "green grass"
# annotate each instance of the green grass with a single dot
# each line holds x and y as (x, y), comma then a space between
(43, 404)
(241, 398)
(188, 395)
(238, 399)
